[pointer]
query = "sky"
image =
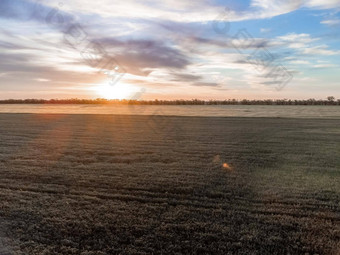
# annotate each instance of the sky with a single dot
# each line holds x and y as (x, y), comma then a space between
(170, 49)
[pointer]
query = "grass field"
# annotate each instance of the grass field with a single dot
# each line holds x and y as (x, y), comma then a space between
(101, 184)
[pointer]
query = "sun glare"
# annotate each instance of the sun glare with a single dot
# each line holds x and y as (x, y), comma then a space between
(117, 91)
(226, 166)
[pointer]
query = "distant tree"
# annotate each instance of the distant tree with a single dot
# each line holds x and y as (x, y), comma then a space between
(331, 98)
(329, 101)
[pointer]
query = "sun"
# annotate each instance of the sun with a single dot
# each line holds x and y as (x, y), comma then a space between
(117, 91)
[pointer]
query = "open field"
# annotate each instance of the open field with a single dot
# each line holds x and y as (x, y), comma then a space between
(103, 184)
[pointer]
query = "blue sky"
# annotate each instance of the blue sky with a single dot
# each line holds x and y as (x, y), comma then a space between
(207, 49)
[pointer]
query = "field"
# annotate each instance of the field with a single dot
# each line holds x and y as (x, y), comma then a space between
(103, 184)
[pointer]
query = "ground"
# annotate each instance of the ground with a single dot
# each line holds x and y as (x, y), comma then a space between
(103, 184)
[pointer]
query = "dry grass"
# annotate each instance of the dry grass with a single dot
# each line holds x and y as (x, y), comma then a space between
(99, 184)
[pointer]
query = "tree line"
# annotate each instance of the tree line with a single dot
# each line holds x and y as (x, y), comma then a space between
(329, 101)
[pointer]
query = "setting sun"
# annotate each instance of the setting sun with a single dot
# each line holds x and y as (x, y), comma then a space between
(117, 91)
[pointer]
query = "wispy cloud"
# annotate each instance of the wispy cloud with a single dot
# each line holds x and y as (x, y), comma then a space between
(331, 22)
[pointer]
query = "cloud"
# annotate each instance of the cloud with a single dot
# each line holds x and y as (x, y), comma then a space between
(265, 30)
(141, 56)
(325, 66)
(297, 38)
(25, 10)
(299, 62)
(323, 4)
(186, 77)
(206, 84)
(320, 50)
(331, 22)
(183, 11)
(305, 45)
(232, 43)
(271, 8)
(42, 80)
